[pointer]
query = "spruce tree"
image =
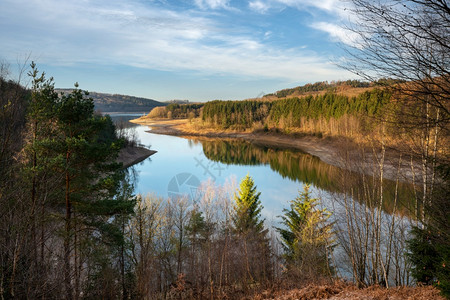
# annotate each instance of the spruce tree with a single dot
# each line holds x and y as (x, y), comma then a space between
(250, 234)
(247, 209)
(307, 237)
(429, 247)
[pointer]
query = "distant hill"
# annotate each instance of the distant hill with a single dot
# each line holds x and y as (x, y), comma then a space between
(120, 103)
(177, 101)
(348, 88)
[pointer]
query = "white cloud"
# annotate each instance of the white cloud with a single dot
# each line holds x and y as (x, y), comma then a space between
(339, 8)
(114, 33)
(328, 5)
(259, 6)
(338, 33)
(342, 10)
(214, 4)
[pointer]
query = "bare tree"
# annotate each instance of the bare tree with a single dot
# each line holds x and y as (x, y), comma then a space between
(405, 40)
(409, 41)
(371, 227)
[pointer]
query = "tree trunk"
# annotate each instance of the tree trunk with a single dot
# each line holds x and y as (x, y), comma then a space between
(67, 237)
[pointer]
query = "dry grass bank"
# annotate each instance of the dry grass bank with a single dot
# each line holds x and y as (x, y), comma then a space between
(340, 290)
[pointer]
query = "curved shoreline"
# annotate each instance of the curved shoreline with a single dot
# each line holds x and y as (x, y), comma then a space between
(339, 152)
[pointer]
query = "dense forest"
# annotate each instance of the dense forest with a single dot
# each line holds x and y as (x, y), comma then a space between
(63, 195)
(328, 114)
(177, 111)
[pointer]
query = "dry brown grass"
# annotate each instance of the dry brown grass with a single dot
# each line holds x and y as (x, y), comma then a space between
(341, 290)
(161, 122)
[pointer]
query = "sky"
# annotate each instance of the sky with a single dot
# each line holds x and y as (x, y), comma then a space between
(198, 50)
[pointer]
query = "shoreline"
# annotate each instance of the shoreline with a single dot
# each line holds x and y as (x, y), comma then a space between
(130, 156)
(337, 151)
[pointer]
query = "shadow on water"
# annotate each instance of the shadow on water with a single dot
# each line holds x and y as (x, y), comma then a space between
(302, 167)
(123, 119)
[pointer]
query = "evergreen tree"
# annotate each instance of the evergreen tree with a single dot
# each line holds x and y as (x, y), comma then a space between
(198, 228)
(78, 149)
(423, 256)
(429, 246)
(247, 209)
(251, 236)
(86, 149)
(36, 172)
(307, 237)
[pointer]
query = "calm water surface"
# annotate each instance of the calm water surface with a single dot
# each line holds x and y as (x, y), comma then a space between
(181, 165)
(177, 156)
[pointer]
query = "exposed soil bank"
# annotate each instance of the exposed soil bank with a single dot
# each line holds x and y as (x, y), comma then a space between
(133, 155)
(339, 152)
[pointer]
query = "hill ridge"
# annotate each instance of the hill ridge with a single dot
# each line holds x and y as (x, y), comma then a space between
(107, 102)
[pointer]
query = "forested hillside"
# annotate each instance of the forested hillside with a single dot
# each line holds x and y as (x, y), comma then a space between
(328, 114)
(332, 87)
(120, 103)
(177, 111)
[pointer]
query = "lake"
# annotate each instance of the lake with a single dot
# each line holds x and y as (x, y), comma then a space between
(182, 165)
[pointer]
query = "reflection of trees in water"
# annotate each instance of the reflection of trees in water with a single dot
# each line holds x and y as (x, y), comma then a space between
(132, 176)
(299, 166)
(122, 120)
(293, 164)
(125, 129)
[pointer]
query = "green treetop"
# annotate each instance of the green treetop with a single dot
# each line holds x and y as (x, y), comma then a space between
(247, 209)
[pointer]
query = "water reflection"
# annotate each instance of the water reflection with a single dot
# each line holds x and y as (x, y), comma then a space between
(302, 167)
(278, 172)
(122, 119)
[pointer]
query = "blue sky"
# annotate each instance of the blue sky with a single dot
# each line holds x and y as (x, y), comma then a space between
(198, 50)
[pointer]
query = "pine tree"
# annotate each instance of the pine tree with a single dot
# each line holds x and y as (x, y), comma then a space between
(86, 148)
(36, 172)
(72, 200)
(78, 149)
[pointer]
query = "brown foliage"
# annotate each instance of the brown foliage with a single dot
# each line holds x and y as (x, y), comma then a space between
(342, 290)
